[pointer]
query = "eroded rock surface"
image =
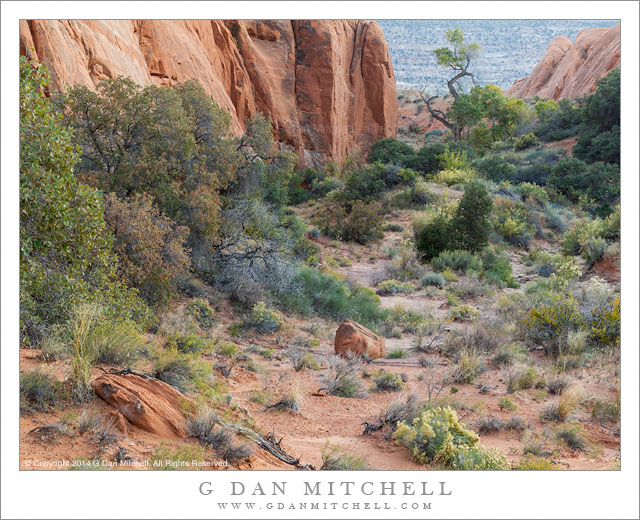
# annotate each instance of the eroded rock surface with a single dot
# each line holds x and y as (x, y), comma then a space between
(353, 337)
(571, 70)
(328, 85)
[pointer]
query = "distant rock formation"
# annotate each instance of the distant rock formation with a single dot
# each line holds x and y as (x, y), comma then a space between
(571, 70)
(328, 85)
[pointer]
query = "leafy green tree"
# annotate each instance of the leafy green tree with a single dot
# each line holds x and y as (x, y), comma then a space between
(470, 225)
(433, 238)
(426, 158)
(65, 248)
(457, 56)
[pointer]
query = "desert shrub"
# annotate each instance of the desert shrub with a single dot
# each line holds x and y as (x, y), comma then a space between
(504, 403)
(388, 381)
(510, 219)
(457, 260)
(390, 150)
(560, 410)
(598, 181)
(301, 359)
(341, 377)
(433, 237)
(289, 402)
(469, 365)
(175, 368)
(521, 379)
(397, 354)
(533, 194)
(555, 220)
(581, 231)
(606, 410)
(533, 463)
(331, 297)
(433, 280)
(188, 343)
(222, 440)
(264, 319)
(437, 436)
(526, 141)
(594, 249)
(426, 159)
(479, 458)
(457, 176)
(395, 287)
(497, 269)
(495, 168)
(517, 424)
(572, 436)
(488, 424)
(482, 338)
(393, 227)
(53, 347)
(337, 458)
(362, 224)
(558, 385)
(462, 313)
(149, 245)
(38, 391)
(115, 344)
(551, 321)
(202, 312)
(505, 356)
(471, 288)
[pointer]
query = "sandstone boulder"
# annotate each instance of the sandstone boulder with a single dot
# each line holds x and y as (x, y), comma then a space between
(148, 403)
(571, 70)
(353, 337)
(328, 85)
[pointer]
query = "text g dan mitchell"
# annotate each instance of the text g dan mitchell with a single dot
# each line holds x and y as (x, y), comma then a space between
(342, 488)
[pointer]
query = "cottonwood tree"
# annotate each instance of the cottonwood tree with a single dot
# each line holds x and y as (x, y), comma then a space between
(457, 57)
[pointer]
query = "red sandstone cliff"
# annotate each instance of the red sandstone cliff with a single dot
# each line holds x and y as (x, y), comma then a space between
(571, 70)
(328, 86)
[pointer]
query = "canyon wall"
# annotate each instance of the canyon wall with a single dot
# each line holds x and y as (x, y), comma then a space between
(328, 85)
(571, 70)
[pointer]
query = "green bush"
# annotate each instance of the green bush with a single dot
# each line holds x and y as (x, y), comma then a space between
(390, 150)
(329, 296)
(433, 238)
(189, 343)
(341, 377)
(388, 381)
(426, 159)
(38, 391)
(594, 249)
(264, 319)
(510, 219)
(436, 436)
(462, 313)
(504, 403)
(458, 260)
(451, 177)
(395, 287)
(397, 354)
(526, 141)
(200, 309)
(433, 280)
(177, 369)
(495, 168)
(363, 224)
